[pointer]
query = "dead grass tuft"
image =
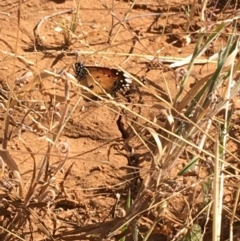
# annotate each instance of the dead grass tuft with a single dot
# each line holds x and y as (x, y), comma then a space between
(168, 167)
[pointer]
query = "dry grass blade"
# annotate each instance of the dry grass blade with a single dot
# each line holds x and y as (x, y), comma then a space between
(40, 224)
(155, 143)
(12, 234)
(216, 208)
(37, 33)
(13, 166)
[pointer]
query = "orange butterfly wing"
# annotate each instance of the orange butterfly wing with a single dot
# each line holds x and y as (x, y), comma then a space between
(102, 80)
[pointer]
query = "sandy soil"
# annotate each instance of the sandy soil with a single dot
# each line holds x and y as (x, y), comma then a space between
(99, 163)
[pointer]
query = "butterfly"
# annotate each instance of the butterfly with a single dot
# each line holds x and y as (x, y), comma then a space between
(103, 80)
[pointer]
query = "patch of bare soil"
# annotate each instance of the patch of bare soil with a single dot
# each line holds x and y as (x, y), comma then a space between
(99, 167)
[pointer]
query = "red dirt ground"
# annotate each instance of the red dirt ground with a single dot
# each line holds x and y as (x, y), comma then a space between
(99, 169)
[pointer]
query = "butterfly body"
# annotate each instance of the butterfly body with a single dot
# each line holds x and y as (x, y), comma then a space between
(102, 80)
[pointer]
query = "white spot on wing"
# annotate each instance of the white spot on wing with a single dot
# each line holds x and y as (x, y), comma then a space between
(128, 80)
